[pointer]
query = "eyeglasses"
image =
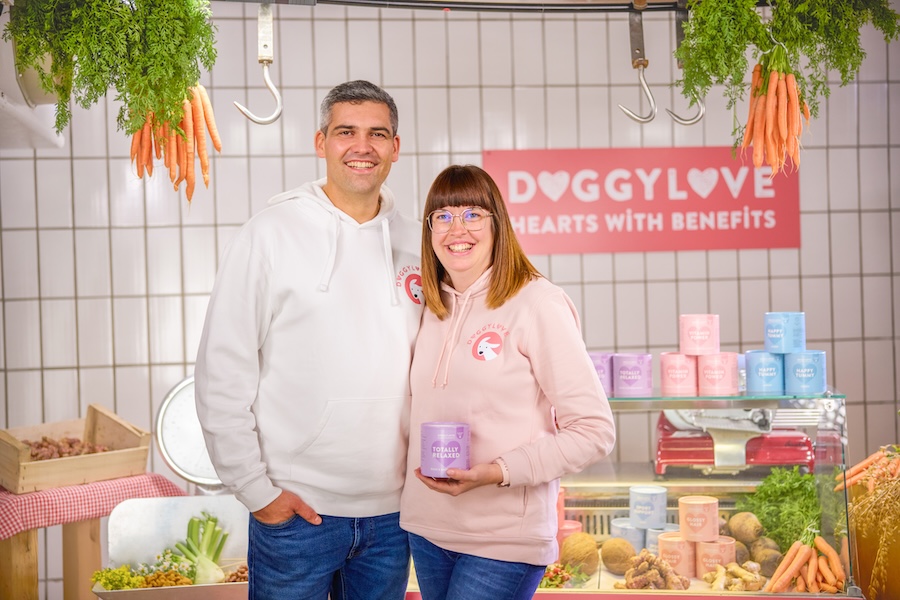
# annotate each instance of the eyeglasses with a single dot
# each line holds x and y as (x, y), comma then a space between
(473, 219)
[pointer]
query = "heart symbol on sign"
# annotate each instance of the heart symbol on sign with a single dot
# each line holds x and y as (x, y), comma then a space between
(703, 181)
(553, 184)
(629, 375)
(445, 454)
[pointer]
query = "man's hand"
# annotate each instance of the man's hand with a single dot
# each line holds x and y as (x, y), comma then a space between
(461, 481)
(285, 506)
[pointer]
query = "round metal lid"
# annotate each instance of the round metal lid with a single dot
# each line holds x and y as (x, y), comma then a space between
(180, 438)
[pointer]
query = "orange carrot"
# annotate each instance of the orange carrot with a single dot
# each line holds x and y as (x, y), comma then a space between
(872, 458)
(173, 146)
(781, 94)
(806, 112)
(135, 144)
(210, 118)
(147, 146)
(826, 587)
(783, 565)
(182, 158)
(812, 568)
(190, 177)
(759, 132)
(200, 134)
(800, 585)
(832, 557)
(751, 119)
(826, 571)
(157, 140)
(784, 580)
(771, 104)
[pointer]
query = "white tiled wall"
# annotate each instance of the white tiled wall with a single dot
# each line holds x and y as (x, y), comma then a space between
(105, 277)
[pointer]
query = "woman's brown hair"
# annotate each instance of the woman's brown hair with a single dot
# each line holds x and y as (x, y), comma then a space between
(468, 185)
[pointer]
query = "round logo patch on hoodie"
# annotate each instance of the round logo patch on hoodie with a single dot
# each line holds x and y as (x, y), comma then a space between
(488, 346)
(411, 280)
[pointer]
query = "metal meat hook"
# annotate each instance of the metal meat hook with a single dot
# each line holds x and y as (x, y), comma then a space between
(265, 37)
(639, 62)
(701, 109)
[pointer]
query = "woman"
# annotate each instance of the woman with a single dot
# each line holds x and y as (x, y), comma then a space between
(500, 349)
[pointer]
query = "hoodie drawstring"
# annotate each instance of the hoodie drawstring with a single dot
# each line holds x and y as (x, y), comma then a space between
(457, 311)
(325, 280)
(389, 261)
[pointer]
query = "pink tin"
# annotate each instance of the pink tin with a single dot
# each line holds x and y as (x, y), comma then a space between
(632, 375)
(677, 374)
(717, 374)
(698, 334)
(445, 445)
(678, 552)
(698, 518)
(710, 554)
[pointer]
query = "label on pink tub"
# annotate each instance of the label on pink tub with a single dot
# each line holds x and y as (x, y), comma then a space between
(698, 334)
(678, 374)
(632, 375)
(717, 374)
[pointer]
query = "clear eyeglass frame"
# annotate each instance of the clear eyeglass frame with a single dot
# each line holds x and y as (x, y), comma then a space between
(472, 219)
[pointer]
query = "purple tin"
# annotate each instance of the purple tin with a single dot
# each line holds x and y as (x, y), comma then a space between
(445, 445)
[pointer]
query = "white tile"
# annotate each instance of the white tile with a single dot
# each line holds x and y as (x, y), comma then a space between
(718, 121)
(874, 67)
(497, 107)
(397, 53)
(2, 361)
(198, 259)
(597, 267)
(565, 268)
(562, 117)
(94, 332)
(59, 333)
(117, 142)
(894, 124)
(25, 388)
(263, 139)
(753, 263)
(593, 117)
(463, 52)
(299, 170)
(895, 242)
(164, 253)
(88, 131)
(629, 266)
(873, 111)
(496, 52)
(895, 181)
(405, 99)
(660, 266)
(817, 306)
(841, 102)
(163, 202)
(323, 11)
(814, 192)
(658, 52)
(877, 306)
(299, 121)
(693, 297)
(294, 59)
(133, 395)
(662, 315)
(20, 264)
(785, 293)
(166, 329)
(784, 261)
(842, 185)
(92, 266)
(129, 271)
(232, 124)
(530, 118)
(57, 272)
(845, 369)
(874, 178)
(266, 176)
(845, 243)
(631, 315)
(876, 242)
(881, 424)
(527, 58)
(431, 109)
(430, 39)
(18, 198)
(723, 301)
(592, 52)
(231, 56)
(846, 296)
(625, 133)
(126, 194)
(815, 244)
(599, 317)
(691, 264)
(194, 317)
(722, 263)
(560, 49)
(634, 447)
(130, 331)
(233, 197)
(465, 119)
(90, 193)
(754, 295)
(54, 193)
(23, 334)
(575, 292)
(96, 387)
(617, 40)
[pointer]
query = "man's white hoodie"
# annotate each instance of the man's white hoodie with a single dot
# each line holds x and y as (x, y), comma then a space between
(302, 375)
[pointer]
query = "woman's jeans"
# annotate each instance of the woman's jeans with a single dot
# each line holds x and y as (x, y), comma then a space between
(349, 558)
(445, 575)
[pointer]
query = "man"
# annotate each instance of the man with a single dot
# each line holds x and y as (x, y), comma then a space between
(302, 377)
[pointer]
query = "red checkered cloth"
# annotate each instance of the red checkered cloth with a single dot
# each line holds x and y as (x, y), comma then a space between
(70, 504)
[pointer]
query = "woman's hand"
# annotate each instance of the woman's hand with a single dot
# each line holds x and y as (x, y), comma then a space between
(461, 480)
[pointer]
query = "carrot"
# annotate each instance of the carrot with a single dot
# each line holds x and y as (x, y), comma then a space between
(825, 587)
(806, 112)
(157, 141)
(814, 588)
(759, 132)
(147, 146)
(861, 465)
(826, 571)
(200, 135)
(793, 117)
(751, 119)
(135, 144)
(800, 585)
(784, 580)
(852, 480)
(783, 565)
(182, 158)
(210, 118)
(173, 151)
(781, 93)
(832, 557)
(812, 568)
(771, 104)
(190, 177)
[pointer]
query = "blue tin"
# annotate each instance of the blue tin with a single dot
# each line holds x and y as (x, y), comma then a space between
(785, 332)
(647, 506)
(622, 528)
(765, 373)
(805, 373)
(652, 537)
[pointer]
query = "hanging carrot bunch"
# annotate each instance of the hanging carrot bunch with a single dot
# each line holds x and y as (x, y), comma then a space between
(774, 123)
(181, 145)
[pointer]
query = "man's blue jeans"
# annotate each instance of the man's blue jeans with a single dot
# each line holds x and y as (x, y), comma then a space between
(349, 558)
(445, 575)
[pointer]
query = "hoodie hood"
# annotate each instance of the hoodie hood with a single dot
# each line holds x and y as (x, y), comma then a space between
(460, 305)
(312, 193)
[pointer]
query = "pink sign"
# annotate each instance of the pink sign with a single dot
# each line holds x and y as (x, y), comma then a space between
(644, 200)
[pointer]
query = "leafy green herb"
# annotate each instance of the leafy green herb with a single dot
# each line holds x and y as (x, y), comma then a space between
(787, 504)
(806, 37)
(149, 51)
(120, 578)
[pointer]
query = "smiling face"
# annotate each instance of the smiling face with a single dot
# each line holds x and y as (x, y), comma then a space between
(358, 147)
(464, 254)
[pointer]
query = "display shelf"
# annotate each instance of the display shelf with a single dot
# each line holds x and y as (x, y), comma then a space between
(658, 402)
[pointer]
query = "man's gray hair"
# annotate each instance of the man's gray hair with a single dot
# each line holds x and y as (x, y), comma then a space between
(356, 92)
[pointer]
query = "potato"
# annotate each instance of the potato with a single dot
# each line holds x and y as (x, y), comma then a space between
(741, 554)
(745, 527)
(763, 543)
(768, 560)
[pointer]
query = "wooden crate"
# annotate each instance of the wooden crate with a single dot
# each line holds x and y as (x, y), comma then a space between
(127, 455)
